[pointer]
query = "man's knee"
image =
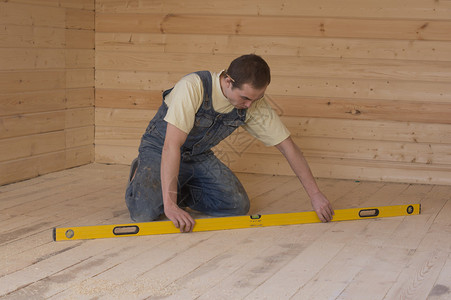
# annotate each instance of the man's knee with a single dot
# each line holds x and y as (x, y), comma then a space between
(143, 213)
(140, 208)
(143, 217)
(242, 204)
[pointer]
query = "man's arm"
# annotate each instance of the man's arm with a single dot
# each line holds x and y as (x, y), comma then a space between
(300, 167)
(170, 166)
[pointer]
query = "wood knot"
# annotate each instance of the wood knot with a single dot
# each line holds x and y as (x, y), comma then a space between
(424, 25)
(354, 112)
(166, 17)
(238, 27)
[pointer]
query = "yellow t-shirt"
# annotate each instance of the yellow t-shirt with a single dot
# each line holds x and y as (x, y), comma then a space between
(185, 99)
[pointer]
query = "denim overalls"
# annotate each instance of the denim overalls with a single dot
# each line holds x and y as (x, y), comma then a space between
(205, 184)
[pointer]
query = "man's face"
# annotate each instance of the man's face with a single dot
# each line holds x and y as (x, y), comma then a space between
(243, 97)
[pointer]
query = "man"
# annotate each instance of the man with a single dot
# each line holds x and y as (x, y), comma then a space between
(176, 167)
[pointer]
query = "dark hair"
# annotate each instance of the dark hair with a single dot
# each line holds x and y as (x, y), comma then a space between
(250, 69)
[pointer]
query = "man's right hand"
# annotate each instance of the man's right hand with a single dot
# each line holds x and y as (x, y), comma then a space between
(179, 217)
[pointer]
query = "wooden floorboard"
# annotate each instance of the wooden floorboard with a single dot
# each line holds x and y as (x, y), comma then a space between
(387, 258)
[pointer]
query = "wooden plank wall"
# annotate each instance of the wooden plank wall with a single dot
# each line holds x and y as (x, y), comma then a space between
(46, 86)
(364, 86)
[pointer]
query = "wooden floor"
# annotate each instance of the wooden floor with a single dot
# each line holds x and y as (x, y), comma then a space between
(388, 258)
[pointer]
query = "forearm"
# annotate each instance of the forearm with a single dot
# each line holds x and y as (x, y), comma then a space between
(170, 165)
(300, 167)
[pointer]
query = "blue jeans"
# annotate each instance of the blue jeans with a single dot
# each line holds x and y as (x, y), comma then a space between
(205, 185)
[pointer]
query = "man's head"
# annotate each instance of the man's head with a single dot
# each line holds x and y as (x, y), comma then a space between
(250, 69)
(245, 80)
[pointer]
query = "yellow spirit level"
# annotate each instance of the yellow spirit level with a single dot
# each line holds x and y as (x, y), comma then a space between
(209, 224)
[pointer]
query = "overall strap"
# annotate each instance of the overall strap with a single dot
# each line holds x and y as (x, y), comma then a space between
(205, 77)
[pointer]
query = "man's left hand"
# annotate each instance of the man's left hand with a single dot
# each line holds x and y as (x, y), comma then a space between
(322, 207)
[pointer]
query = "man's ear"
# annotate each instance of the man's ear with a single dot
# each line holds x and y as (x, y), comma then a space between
(229, 81)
